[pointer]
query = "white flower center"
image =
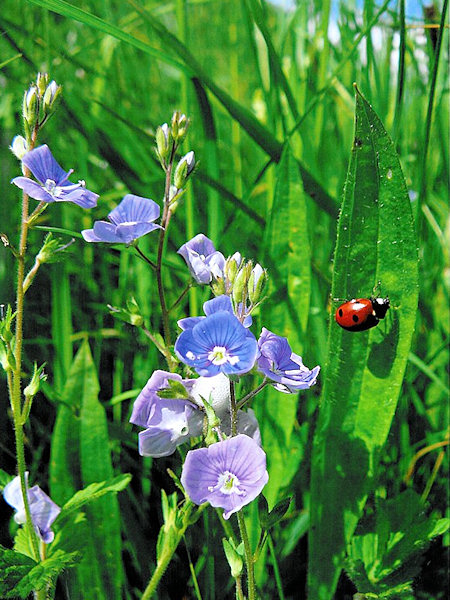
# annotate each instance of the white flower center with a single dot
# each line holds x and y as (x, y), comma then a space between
(219, 356)
(228, 483)
(57, 190)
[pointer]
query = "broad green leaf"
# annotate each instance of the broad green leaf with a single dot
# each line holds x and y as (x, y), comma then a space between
(375, 243)
(287, 255)
(13, 567)
(96, 466)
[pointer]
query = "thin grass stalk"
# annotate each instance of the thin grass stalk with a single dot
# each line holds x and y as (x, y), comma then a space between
(400, 73)
(429, 117)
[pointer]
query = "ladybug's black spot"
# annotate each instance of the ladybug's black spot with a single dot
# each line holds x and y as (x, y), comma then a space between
(341, 312)
(355, 318)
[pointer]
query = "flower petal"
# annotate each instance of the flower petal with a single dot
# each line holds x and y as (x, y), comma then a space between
(135, 209)
(43, 165)
(33, 189)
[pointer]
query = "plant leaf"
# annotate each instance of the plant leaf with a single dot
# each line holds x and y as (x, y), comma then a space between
(375, 242)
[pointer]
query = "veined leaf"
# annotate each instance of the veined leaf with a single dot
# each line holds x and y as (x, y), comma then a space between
(375, 243)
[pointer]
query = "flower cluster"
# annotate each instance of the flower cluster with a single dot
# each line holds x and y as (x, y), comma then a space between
(219, 346)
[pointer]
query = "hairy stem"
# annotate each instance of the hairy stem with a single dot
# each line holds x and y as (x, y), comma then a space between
(248, 557)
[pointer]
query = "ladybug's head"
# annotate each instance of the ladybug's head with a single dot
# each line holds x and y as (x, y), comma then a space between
(380, 306)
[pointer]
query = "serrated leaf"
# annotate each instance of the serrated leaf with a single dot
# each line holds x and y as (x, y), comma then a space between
(13, 567)
(93, 492)
(375, 242)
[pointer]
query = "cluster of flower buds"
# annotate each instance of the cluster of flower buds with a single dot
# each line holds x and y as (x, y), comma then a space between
(242, 280)
(39, 103)
(168, 139)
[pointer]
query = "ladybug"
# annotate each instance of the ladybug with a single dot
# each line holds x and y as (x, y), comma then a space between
(361, 314)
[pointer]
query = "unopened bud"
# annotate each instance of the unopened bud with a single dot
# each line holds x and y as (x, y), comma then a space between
(30, 108)
(234, 556)
(240, 283)
(164, 142)
(34, 386)
(19, 147)
(180, 124)
(51, 95)
(6, 324)
(232, 266)
(256, 282)
(184, 168)
(42, 80)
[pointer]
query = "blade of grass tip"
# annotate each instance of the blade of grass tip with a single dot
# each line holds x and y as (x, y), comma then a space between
(186, 103)
(341, 64)
(426, 143)
(321, 74)
(280, 80)
(400, 73)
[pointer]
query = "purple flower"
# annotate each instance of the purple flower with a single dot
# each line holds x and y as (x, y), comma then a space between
(167, 422)
(218, 343)
(130, 220)
(229, 474)
(42, 508)
(53, 183)
(279, 363)
(203, 260)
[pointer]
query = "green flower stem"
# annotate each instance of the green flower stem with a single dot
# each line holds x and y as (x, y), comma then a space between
(162, 235)
(166, 557)
(239, 592)
(253, 393)
(233, 409)
(248, 557)
(17, 372)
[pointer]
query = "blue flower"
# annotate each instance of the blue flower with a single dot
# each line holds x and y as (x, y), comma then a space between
(42, 508)
(228, 474)
(203, 260)
(218, 343)
(130, 220)
(53, 183)
(280, 364)
(167, 422)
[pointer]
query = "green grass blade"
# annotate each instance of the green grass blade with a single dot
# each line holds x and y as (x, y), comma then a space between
(375, 242)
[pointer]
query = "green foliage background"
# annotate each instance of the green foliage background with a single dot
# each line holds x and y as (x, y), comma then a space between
(248, 74)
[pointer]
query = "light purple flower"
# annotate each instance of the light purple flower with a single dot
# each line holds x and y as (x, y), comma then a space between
(167, 422)
(280, 364)
(42, 508)
(218, 343)
(203, 260)
(228, 474)
(53, 183)
(130, 220)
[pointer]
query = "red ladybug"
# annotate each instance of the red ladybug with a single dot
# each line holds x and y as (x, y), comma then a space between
(361, 314)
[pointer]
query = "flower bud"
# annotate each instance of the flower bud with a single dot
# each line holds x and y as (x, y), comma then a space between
(42, 82)
(180, 124)
(30, 108)
(256, 282)
(164, 142)
(19, 147)
(6, 324)
(234, 556)
(232, 266)
(51, 95)
(184, 169)
(33, 387)
(240, 283)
